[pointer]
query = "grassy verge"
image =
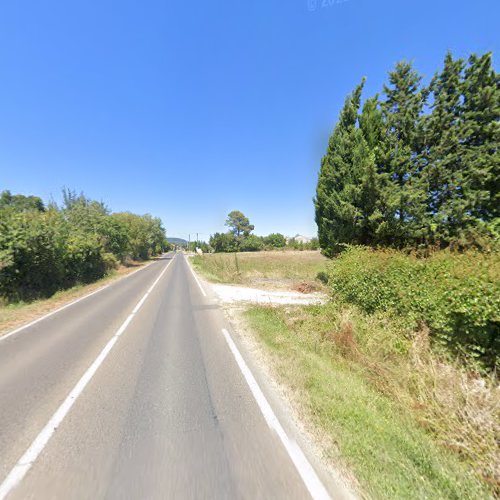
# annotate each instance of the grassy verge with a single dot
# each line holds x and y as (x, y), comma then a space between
(17, 314)
(408, 423)
(265, 269)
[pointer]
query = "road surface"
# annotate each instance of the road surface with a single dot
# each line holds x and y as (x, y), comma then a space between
(138, 391)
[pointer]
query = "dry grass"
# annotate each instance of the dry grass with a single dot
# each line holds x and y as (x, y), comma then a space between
(14, 315)
(457, 407)
(277, 270)
(395, 410)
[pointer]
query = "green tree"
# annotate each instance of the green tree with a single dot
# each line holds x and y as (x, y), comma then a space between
(238, 224)
(20, 203)
(397, 175)
(371, 152)
(462, 137)
(482, 137)
(368, 198)
(146, 235)
(444, 166)
(251, 243)
(31, 255)
(44, 250)
(224, 242)
(335, 213)
(275, 240)
(403, 196)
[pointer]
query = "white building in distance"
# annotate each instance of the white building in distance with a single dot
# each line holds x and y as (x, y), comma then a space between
(299, 239)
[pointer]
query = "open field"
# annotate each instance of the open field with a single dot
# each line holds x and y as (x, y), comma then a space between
(281, 270)
(17, 314)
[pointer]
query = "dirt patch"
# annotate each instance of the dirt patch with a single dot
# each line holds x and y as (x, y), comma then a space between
(230, 294)
(305, 287)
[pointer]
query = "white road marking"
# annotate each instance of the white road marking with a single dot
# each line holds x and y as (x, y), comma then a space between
(24, 464)
(196, 278)
(27, 325)
(304, 468)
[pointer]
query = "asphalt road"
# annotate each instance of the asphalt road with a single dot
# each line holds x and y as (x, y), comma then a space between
(123, 395)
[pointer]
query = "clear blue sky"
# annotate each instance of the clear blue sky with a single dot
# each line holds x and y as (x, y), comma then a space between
(190, 109)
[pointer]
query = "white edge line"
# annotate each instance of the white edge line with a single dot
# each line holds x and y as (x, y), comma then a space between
(196, 277)
(29, 457)
(302, 464)
(55, 311)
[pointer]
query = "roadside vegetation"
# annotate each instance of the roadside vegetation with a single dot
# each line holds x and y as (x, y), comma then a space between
(44, 249)
(388, 384)
(456, 296)
(406, 421)
(16, 314)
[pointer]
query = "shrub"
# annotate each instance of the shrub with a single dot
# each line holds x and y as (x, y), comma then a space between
(323, 277)
(30, 255)
(456, 295)
(251, 243)
(275, 240)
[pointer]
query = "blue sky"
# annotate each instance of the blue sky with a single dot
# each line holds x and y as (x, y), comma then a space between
(190, 109)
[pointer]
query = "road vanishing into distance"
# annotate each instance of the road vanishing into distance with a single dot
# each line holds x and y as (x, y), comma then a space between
(140, 391)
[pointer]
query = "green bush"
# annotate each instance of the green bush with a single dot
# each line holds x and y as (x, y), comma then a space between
(456, 295)
(323, 277)
(45, 250)
(31, 257)
(274, 240)
(251, 243)
(84, 259)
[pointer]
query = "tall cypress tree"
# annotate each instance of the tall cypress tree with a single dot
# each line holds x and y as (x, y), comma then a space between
(403, 194)
(444, 170)
(371, 150)
(481, 138)
(334, 214)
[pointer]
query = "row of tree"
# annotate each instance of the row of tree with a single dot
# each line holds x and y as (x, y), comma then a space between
(239, 238)
(417, 167)
(45, 249)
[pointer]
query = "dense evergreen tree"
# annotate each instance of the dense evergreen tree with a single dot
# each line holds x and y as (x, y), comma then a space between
(420, 167)
(373, 129)
(442, 157)
(403, 196)
(481, 137)
(335, 212)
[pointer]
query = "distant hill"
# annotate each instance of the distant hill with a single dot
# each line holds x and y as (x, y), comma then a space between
(177, 241)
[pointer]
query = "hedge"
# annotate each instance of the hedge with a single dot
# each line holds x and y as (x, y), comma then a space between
(456, 295)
